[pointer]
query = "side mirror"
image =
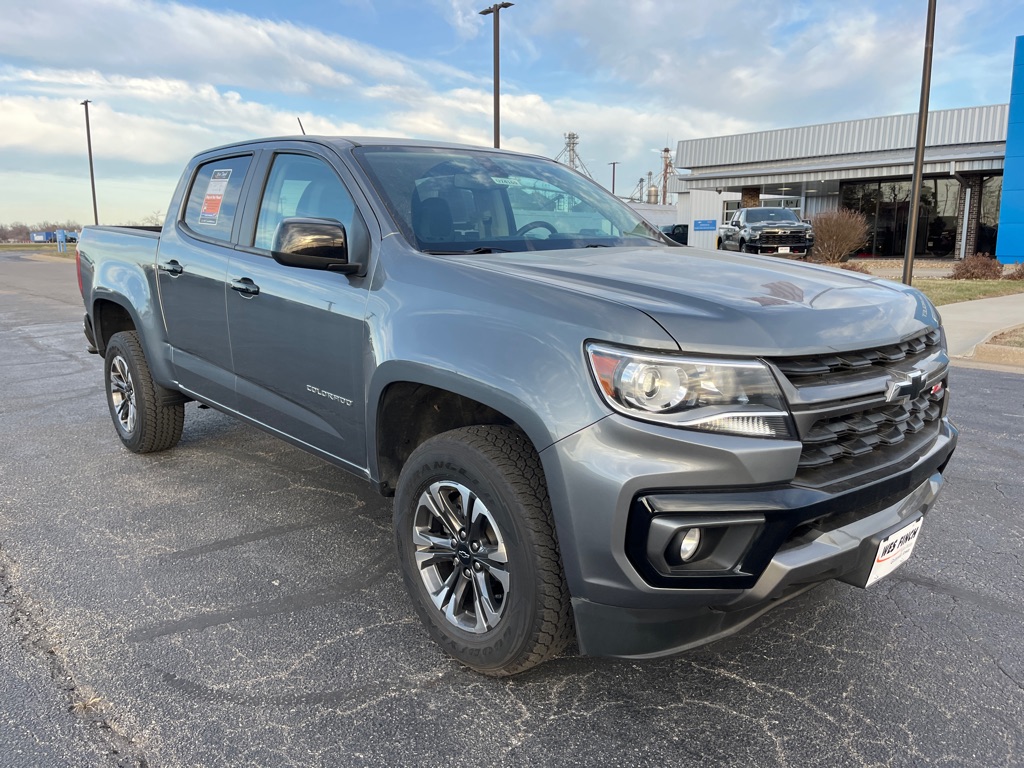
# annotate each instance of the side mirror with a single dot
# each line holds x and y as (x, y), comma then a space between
(313, 244)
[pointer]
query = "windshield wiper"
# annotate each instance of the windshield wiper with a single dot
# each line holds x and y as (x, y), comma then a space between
(470, 252)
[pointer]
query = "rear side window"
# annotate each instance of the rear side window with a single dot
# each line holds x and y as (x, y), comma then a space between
(213, 200)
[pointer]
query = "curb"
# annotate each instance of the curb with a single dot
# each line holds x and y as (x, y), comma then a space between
(999, 356)
(987, 352)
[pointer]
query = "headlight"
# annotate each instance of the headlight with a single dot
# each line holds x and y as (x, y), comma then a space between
(738, 397)
(810, 234)
(755, 234)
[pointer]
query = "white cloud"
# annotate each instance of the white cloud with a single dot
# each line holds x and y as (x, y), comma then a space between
(463, 15)
(168, 79)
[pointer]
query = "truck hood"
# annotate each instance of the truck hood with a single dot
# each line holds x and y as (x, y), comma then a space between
(722, 303)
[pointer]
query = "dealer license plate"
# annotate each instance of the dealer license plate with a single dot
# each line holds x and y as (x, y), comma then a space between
(783, 249)
(894, 551)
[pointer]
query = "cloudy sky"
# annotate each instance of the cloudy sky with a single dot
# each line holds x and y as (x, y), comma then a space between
(169, 79)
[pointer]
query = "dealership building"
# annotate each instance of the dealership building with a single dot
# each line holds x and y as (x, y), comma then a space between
(972, 197)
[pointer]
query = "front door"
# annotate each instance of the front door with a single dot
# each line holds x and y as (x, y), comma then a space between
(298, 335)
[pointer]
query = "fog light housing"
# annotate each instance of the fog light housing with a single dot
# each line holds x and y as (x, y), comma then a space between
(689, 544)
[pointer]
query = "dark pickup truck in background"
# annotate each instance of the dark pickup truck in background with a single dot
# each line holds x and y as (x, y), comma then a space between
(588, 430)
(775, 231)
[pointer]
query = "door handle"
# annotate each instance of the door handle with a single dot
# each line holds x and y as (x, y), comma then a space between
(172, 267)
(246, 287)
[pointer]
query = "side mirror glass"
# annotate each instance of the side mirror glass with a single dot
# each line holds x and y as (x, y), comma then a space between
(313, 244)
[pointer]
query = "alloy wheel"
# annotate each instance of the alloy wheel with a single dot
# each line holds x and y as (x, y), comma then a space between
(122, 394)
(461, 557)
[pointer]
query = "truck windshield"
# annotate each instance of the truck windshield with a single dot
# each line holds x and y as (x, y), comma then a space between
(448, 200)
(771, 215)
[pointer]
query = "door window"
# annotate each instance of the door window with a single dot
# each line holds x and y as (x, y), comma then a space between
(301, 186)
(213, 200)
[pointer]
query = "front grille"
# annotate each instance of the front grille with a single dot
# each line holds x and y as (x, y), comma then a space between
(839, 448)
(849, 430)
(800, 370)
(787, 238)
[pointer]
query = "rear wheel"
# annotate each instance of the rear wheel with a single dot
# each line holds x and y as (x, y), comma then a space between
(142, 423)
(478, 551)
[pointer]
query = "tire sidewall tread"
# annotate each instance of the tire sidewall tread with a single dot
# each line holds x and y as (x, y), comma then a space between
(157, 427)
(500, 465)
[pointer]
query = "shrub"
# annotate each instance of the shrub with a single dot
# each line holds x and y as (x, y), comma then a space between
(1017, 273)
(838, 234)
(980, 266)
(855, 266)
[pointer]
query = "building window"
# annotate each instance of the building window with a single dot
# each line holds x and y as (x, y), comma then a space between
(886, 205)
(988, 214)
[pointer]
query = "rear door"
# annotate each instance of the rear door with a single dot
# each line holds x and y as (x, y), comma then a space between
(298, 336)
(192, 265)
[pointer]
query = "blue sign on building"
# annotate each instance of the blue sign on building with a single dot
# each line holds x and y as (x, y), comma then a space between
(704, 225)
(1010, 245)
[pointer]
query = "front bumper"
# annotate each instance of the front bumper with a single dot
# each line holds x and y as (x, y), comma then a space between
(771, 250)
(798, 537)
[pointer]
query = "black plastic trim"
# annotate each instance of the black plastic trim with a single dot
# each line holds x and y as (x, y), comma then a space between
(785, 509)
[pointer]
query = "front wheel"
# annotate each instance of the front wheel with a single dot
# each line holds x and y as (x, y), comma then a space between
(143, 424)
(478, 551)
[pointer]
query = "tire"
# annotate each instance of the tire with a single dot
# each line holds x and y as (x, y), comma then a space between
(744, 248)
(488, 586)
(718, 244)
(143, 425)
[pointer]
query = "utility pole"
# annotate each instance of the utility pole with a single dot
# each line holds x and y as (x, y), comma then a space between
(613, 175)
(495, 11)
(665, 161)
(922, 131)
(92, 174)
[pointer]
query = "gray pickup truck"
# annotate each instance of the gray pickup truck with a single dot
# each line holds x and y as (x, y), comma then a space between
(589, 431)
(775, 231)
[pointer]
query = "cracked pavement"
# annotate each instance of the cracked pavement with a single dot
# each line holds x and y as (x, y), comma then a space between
(235, 601)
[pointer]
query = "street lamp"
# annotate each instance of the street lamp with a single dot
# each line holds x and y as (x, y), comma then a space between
(922, 131)
(494, 9)
(92, 175)
(613, 164)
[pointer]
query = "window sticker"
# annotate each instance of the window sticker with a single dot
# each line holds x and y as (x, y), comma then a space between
(215, 190)
(506, 181)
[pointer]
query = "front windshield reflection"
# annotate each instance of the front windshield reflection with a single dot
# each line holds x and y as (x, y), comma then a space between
(462, 201)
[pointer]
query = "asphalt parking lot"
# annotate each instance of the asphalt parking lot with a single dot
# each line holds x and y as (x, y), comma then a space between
(235, 601)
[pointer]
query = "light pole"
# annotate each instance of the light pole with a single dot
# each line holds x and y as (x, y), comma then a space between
(613, 175)
(922, 130)
(92, 174)
(494, 10)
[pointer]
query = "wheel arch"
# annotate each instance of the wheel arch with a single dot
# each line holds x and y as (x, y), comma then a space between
(415, 402)
(113, 313)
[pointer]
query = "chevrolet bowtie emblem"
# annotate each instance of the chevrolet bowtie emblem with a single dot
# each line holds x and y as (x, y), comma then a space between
(904, 386)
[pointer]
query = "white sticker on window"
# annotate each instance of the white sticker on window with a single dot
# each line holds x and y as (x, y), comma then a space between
(504, 181)
(215, 190)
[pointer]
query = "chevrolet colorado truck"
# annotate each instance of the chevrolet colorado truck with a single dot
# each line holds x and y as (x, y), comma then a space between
(766, 230)
(589, 431)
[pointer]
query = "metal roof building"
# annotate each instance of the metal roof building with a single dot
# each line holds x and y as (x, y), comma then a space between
(866, 165)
